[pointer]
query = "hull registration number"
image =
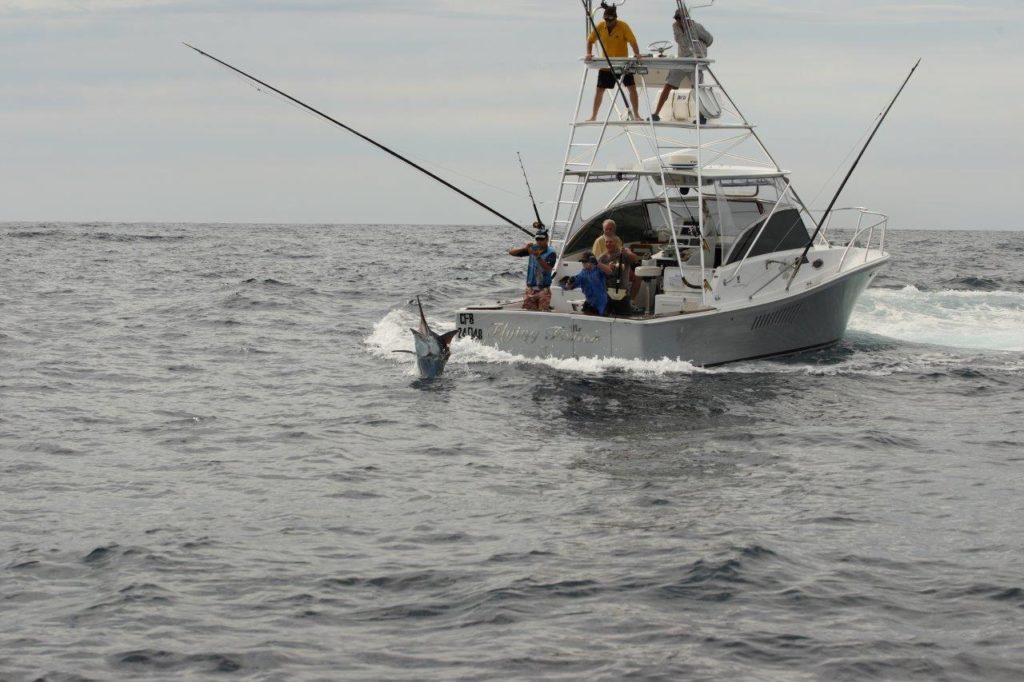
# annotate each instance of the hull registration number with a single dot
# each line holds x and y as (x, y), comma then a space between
(468, 328)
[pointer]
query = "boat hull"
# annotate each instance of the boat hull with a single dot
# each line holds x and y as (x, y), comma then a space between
(810, 319)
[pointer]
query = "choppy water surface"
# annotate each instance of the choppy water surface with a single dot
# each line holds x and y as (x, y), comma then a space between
(212, 462)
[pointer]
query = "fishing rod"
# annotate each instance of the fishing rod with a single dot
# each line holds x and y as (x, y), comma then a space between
(684, 21)
(368, 139)
(593, 27)
(835, 197)
(540, 223)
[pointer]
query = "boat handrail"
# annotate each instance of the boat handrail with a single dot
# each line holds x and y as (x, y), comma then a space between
(646, 60)
(735, 173)
(633, 123)
(881, 223)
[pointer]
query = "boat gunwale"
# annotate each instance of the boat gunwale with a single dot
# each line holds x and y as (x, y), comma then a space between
(747, 304)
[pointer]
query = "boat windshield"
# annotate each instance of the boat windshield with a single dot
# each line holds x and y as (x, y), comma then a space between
(755, 215)
(632, 225)
(735, 211)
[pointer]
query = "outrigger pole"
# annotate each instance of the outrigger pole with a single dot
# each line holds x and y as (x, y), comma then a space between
(824, 217)
(371, 141)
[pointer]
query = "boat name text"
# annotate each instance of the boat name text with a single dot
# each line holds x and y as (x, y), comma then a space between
(505, 331)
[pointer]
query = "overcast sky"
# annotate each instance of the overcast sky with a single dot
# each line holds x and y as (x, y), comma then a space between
(105, 116)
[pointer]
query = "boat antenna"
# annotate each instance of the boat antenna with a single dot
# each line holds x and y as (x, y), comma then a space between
(540, 223)
(368, 139)
(835, 197)
(593, 27)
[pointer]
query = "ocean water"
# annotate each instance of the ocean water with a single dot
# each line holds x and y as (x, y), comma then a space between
(212, 463)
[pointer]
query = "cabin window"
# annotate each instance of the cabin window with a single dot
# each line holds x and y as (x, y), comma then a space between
(630, 221)
(733, 216)
(785, 231)
(684, 216)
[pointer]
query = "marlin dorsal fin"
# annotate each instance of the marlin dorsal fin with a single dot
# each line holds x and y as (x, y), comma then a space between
(446, 339)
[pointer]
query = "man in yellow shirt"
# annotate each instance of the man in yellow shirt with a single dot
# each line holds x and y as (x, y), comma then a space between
(608, 228)
(600, 247)
(617, 37)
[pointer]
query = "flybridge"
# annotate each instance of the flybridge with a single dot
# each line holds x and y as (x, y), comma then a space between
(698, 137)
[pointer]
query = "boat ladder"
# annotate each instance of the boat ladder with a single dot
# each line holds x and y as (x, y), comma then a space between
(579, 159)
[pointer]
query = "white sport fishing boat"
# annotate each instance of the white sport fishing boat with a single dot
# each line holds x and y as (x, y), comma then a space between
(735, 266)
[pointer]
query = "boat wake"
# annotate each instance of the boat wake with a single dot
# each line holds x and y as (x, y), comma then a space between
(977, 320)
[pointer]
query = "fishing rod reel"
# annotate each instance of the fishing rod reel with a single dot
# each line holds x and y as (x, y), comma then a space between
(690, 228)
(605, 6)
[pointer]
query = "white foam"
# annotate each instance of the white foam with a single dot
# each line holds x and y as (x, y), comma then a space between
(471, 351)
(884, 364)
(982, 320)
(392, 333)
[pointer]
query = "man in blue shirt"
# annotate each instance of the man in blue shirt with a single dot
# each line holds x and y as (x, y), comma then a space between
(591, 281)
(538, 272)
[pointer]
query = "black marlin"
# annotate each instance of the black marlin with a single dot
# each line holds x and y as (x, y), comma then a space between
(432, 350)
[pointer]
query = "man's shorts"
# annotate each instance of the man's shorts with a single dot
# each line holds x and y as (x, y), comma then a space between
(681, 77)
(537, 299)
(606, 79)
(677, 77)
(620, 307)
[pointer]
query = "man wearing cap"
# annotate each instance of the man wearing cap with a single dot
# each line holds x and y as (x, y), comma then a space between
(538, 272)
(692, 40)
(591, 281)
(616, 37)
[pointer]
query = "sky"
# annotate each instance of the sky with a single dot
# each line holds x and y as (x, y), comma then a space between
(106, 116)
